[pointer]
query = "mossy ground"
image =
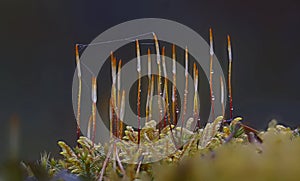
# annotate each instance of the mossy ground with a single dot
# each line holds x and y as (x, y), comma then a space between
(221, 155)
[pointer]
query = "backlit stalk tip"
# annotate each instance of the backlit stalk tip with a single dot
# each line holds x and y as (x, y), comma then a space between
(119, 74)
(94, 89)
(229, 48)
(122, 110)
(211, 42)
(186, 61)
(76, 50)
(156, 48)
(164, 61)
(149, 64)
(138, 56)
(77, 61)
(195, 78)
(113, 68)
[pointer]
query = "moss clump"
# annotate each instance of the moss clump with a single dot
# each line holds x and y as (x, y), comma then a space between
(220, 151)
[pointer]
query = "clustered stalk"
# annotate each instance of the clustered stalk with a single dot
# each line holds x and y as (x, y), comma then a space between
(117, 99)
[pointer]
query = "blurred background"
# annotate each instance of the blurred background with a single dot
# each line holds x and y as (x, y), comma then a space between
(37, 59)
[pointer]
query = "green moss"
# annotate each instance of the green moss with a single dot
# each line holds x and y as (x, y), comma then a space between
(230, 153)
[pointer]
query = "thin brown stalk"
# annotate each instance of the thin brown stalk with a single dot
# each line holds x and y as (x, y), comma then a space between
(229, 76)
(113, 92)
(174, 96)
(119, 81)
(165, 88)
(149, 85)
(141, 158)
(122, 112)
(105, 162)
(167, 116)
(89, 128)
(79, 90)
(120, 163)
(139, 89)
(118, 122)
(159, 83)
(94, 100)
(111, 109)
(196, 113)
(185, 90)
(212, 98)
(151, 97)
(222, 96)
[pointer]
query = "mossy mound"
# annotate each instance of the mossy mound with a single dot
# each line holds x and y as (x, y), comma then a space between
(220, 151)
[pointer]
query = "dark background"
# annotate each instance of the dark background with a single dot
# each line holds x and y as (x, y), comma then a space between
(37, 58)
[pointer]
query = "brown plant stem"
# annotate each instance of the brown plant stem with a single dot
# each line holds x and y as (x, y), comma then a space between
(158, 61)
(212, 98)
(105, 162)
(94, 99)
(185, 90)
(174, 95)
(229, 76)
(79, 90)
(196, 113)
(118, 122)
(222, 96)
(139, 90)
(149, 86)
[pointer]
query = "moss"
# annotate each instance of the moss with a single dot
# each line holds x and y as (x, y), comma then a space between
(228, 152)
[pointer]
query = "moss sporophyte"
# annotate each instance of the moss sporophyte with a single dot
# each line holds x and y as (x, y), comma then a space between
(172, 146)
